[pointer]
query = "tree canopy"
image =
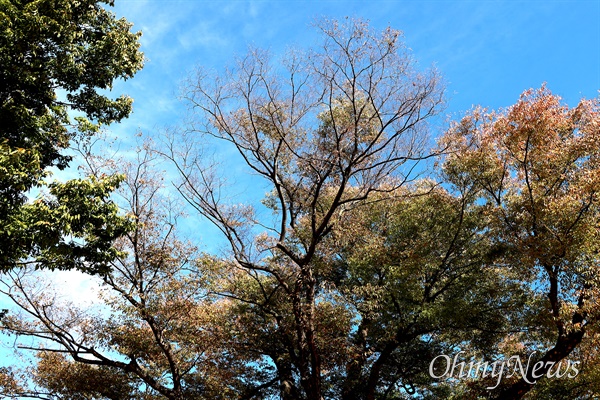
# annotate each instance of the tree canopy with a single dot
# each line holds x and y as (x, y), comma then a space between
(362, 265)
(58, 62)
(535, 169)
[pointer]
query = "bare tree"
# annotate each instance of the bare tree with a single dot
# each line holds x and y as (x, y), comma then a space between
(154, 331)
(325, 128)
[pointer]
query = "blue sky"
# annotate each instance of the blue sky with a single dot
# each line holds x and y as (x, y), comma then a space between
(488, 51)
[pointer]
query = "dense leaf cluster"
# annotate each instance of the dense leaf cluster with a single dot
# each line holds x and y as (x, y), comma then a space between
(58, 61)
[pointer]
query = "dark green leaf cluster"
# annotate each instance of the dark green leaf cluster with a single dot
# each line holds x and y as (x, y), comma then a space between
(58, 58)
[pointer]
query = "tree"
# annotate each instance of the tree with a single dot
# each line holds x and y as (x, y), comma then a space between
(157, 331)
(410, 267)
(326, 129)
(57, 59)
(536, 168)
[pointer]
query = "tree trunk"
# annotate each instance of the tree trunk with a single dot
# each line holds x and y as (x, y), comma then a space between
(564, 346)
(287, 385)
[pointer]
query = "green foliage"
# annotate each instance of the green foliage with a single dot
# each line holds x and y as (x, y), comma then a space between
(416, 270)
(57, 57)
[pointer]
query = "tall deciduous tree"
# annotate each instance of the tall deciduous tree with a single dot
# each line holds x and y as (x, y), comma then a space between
(410, 267)
(58, 57)
(536, 167)
(326, 128)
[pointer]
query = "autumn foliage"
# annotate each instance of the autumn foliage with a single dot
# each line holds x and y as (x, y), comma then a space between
(352, 275)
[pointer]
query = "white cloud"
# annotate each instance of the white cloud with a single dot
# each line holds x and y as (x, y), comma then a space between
(74, 286)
